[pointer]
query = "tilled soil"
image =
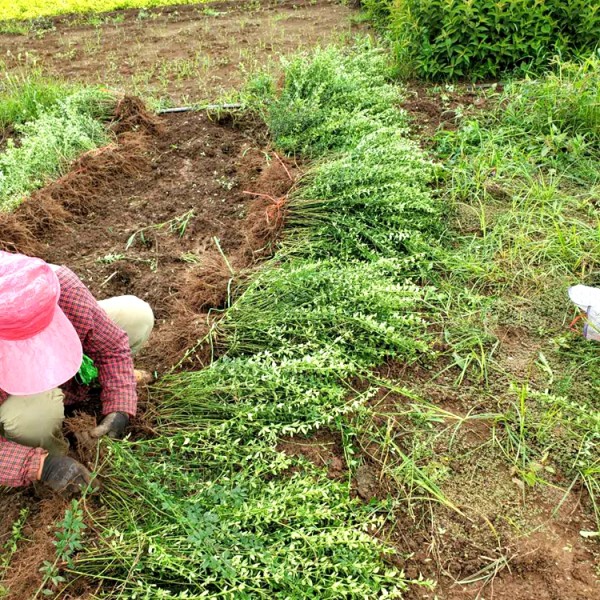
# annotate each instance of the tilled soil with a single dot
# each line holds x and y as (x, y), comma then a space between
(174, 212)
(183, 53)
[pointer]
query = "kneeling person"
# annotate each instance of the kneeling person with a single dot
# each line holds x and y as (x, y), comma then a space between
(48, 321)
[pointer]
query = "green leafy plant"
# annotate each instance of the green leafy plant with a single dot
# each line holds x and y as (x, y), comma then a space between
(68, 542)
(373, 200)
(332, 99)
(440, 39)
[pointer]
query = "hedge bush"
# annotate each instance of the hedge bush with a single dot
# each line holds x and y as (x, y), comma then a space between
(479, 39)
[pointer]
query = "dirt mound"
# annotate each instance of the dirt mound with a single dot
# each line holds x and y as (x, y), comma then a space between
(175, 211)
(92, 175)
(16, 235)
(131, 116)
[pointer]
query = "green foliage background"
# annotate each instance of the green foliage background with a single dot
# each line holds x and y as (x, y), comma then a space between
(479, 39)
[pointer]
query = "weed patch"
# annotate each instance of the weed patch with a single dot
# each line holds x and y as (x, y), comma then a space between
(49, 142)
(25, 97)
(529, 176)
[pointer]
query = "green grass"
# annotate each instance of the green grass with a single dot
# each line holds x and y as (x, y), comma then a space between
(33, 9)
(529, 175)
(25, 96)
(53, 129)
(523, 182)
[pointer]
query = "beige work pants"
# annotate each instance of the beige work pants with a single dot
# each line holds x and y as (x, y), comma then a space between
(36, 420)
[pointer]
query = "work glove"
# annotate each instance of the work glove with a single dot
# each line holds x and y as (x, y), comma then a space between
(65, 475)
(113, 425)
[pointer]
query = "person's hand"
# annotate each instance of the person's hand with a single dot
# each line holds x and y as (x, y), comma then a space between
(113, 425)
(65, 475)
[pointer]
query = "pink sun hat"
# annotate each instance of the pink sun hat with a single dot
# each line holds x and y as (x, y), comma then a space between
(39, 347)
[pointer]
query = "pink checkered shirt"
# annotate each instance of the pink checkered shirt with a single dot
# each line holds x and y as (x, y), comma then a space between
(107, 345)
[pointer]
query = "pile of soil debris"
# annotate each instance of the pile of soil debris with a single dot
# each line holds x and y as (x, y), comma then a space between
(176, 210)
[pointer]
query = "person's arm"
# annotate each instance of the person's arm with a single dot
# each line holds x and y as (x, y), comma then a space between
(108, 346)
(19, 465)
(103, 341)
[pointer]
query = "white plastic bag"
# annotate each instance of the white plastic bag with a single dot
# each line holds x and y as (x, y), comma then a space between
(588, 299)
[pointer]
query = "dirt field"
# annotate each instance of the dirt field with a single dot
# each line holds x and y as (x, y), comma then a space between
(180, 208)
(181, 53)
(157, 214)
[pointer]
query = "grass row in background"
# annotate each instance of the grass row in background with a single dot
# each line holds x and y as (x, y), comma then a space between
(449, 39)
(524, 182)
(32, 9)
(52, 124)
(212, 507)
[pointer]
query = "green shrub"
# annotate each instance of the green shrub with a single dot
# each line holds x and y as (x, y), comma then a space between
(479, 39)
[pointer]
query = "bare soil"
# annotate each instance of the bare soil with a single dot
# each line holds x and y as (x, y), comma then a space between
(175, 213)
(182, 53)
(323, 449)
(441, 107)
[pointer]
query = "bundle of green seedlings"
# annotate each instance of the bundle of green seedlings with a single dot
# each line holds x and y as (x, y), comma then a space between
(524, 181)
(54, 124)
(212, 508)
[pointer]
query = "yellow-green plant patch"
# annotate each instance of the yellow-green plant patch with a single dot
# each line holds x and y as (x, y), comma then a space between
(32, 9)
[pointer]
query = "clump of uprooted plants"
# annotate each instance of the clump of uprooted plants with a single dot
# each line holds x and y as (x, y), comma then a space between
(211, 507)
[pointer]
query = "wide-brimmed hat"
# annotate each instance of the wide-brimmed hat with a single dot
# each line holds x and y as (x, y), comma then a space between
(39, 347)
